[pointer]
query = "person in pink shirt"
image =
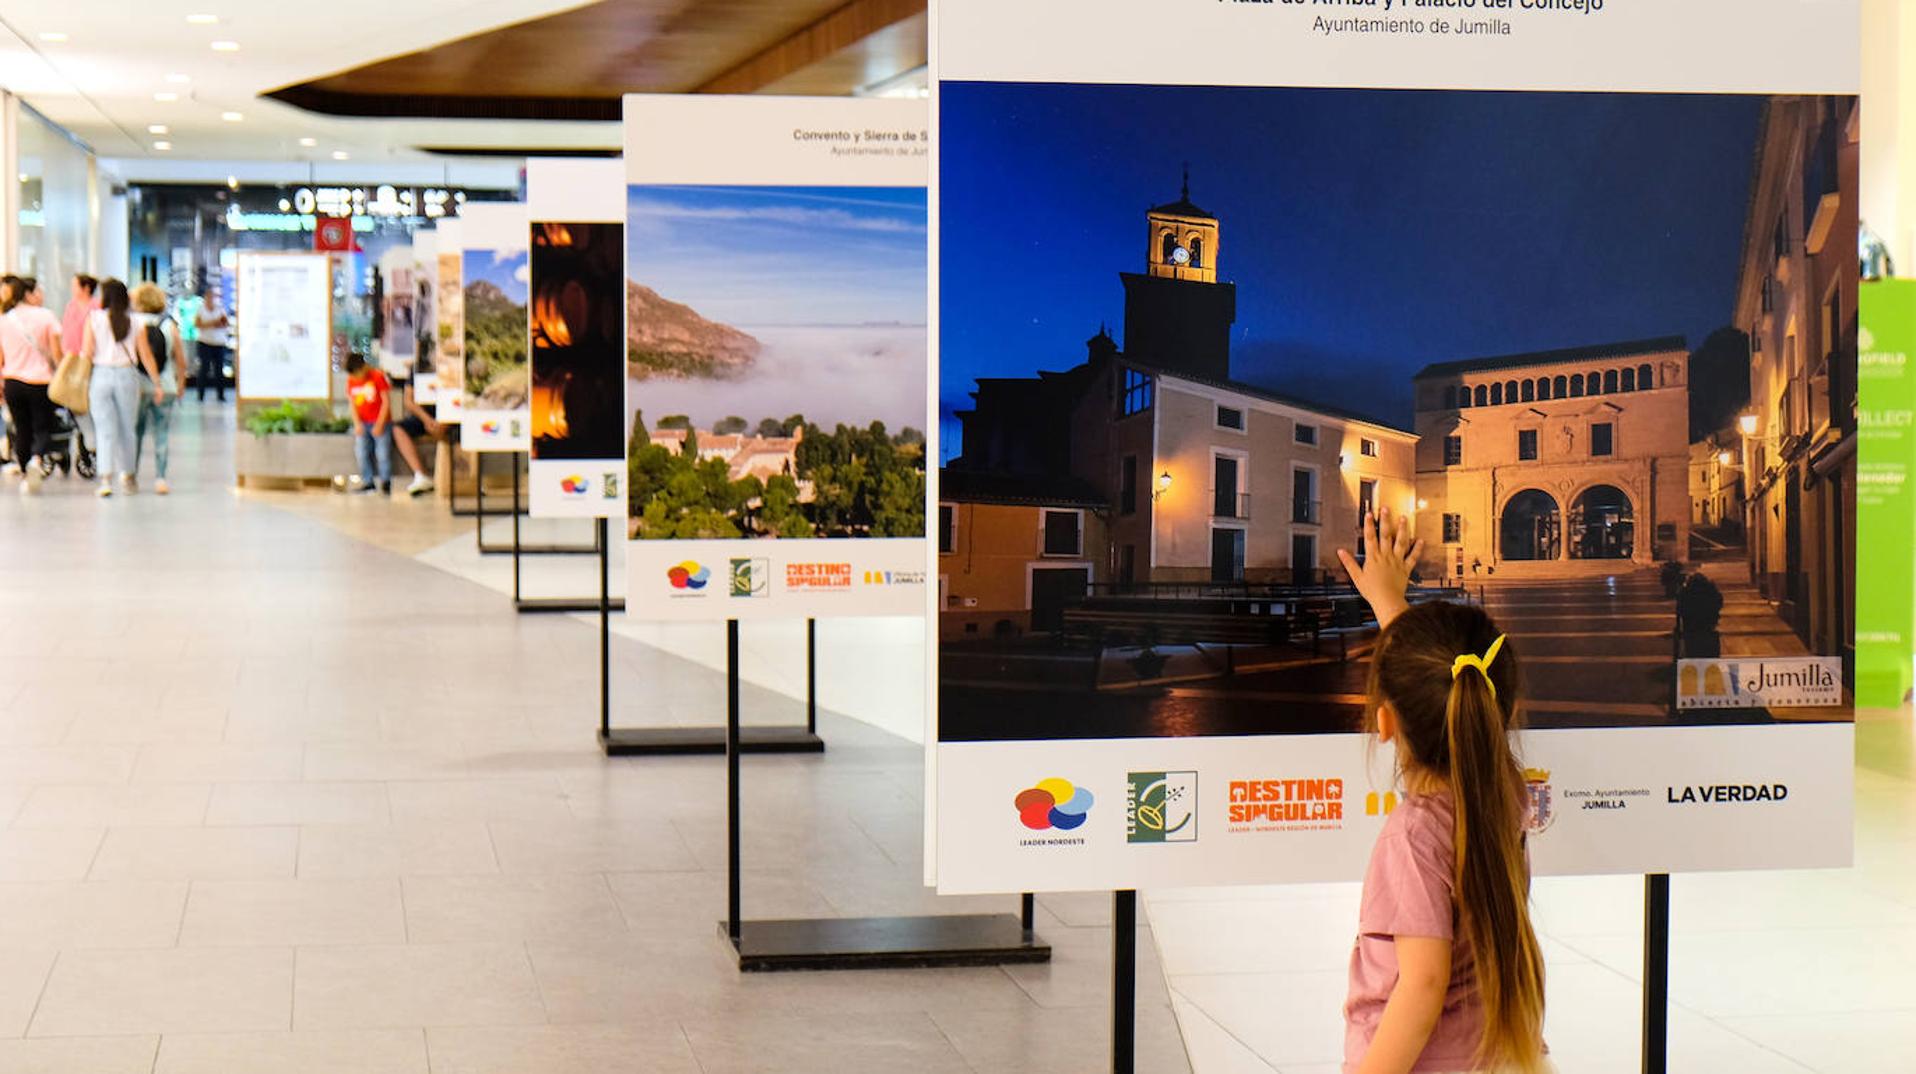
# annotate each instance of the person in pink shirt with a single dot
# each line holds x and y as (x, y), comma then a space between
(29, 340)
(1446, 976)
(82, 301)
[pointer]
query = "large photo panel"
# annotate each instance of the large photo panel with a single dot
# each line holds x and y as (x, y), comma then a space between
(776, 356)
(449, 301)
(496, 380)
(1591, 330)
(577, 265)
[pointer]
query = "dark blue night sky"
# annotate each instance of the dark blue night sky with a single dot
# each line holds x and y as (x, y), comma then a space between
(1369, 232)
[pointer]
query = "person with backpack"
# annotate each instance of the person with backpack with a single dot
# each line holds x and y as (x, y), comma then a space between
(114, 389)
(159, 339)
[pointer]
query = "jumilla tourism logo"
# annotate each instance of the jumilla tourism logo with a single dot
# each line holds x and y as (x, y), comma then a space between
(1053, 805)
(1161, 807)
(751, 577)
(689, 577)
(894, 577)
(1767, 682)
(575, 485)
(1272, 805)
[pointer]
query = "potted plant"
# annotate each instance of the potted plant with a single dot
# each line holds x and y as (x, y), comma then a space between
(295, 442)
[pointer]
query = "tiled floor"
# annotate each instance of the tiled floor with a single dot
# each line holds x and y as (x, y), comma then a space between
(285, 785)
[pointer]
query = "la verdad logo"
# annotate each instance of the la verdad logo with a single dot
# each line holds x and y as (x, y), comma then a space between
(1724, 793)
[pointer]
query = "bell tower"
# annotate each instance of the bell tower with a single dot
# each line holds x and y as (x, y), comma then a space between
(1181, 239)
(1177, 315)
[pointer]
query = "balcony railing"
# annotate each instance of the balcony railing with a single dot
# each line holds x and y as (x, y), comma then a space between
(1228, 504)
(1309, 512)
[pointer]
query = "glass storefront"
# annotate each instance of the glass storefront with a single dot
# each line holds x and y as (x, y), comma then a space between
(56, 204)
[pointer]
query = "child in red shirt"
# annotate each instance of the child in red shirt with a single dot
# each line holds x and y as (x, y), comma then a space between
(371, 394)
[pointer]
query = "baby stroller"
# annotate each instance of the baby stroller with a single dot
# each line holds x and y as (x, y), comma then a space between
(67, 448)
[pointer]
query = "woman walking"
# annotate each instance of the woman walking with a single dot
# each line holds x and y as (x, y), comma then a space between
(113, 397)
(29, 341)
(159, 344)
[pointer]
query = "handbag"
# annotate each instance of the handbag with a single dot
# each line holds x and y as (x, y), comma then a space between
(70, 382)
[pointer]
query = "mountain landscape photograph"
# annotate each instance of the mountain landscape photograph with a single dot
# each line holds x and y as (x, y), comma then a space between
(497, 377)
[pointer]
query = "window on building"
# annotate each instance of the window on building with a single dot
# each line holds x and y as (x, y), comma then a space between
(1609, 381)
(1304, 505)
(1769, 293)
(1483, 395)
(1510, 391)
(1306, 434)
(1559, 387)
(1629, 380)
(1063, 533)
(1602, 439)
(1168, 247)
(1368, 447)
(1453, 529)
(1197, 251)
(1543, 388)
(1529, 390)
(1366, 497)
(1576, 385)
(1645, 381)
(1463, 396)
(1128, 485)
(1592, 382)
(1527, 445)
(1139, 391)
(1230, 418)
(947, 529)
(1453, 450)
(1496, 395)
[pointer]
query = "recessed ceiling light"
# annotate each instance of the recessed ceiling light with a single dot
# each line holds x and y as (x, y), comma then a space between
(226, 46)
(162, 146)
(309, 142)
(156, 128)
(179, 80)
(202, 20)
(232, 117)
(285, 206)
(166, 97)
(340, 154)
(54, 37)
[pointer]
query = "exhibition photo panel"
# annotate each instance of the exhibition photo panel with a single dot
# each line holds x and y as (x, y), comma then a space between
(577, 265)
(496, 380)
(776, 356)
(1597, 348)
(449, 376)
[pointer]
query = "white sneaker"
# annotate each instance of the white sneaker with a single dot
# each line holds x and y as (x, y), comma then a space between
(421, 484)
(161, 488)
(31, 485)
(13, 469)
(105, 490)
(130, 483)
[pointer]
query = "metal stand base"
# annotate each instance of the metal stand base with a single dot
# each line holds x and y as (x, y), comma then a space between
(655, 741)
(537, 605)
(885, 942)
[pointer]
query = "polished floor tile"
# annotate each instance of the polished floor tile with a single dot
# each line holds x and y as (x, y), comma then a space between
(416, 985)
(293, 913)
(401, 1051)
(175, 990)
(632, 1048)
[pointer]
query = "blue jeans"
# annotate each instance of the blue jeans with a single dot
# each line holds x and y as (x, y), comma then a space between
(367, 447)
(156, 418)
(113, 399)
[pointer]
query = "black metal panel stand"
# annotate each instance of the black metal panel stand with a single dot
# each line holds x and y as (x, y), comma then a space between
(515, 549)
(655, 741)
(1656, 973)
(849, 943)
(1124, 981)
(549, 605)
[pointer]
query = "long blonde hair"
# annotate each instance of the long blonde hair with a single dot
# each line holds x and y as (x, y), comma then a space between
(1454, 724)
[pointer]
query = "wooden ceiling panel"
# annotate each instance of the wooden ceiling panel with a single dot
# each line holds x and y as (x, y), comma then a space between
(577, 64)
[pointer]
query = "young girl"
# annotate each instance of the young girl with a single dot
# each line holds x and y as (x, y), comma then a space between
(1445, 976)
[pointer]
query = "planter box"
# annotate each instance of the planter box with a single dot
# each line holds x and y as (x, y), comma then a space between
(300, 457)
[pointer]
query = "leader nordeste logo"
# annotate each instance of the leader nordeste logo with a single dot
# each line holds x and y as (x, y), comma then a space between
(1727, 793)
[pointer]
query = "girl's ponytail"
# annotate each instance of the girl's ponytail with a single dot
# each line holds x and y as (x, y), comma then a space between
(1492, 879)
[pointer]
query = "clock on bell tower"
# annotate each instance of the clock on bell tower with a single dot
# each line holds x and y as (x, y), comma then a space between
(1181, 240)
(1177, 315)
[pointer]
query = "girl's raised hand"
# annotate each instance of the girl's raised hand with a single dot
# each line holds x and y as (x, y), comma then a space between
(1391, 552)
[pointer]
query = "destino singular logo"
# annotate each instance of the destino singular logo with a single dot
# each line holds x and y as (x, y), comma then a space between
(751, 577)
(1053, 805)
(1161, 807)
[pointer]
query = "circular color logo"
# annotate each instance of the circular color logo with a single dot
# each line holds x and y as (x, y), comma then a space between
(490, 428)
(575, 485)
(688, 575)
(1053, 803)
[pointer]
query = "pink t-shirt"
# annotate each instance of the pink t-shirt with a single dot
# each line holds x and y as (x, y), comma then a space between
(1407, 892)
(23, 336)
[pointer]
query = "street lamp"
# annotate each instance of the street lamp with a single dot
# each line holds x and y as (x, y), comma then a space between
(1164, 485)
(1746, 424)
(1723, 458)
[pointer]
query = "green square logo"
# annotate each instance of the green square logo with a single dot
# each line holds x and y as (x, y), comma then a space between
(1161, 807)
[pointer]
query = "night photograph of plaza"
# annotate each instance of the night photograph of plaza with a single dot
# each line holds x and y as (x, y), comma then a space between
(1196, 333)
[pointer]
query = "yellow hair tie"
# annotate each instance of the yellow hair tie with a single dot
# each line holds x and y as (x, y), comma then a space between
(1481, 663)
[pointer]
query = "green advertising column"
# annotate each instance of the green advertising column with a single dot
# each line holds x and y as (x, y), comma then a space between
(1885, 499)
